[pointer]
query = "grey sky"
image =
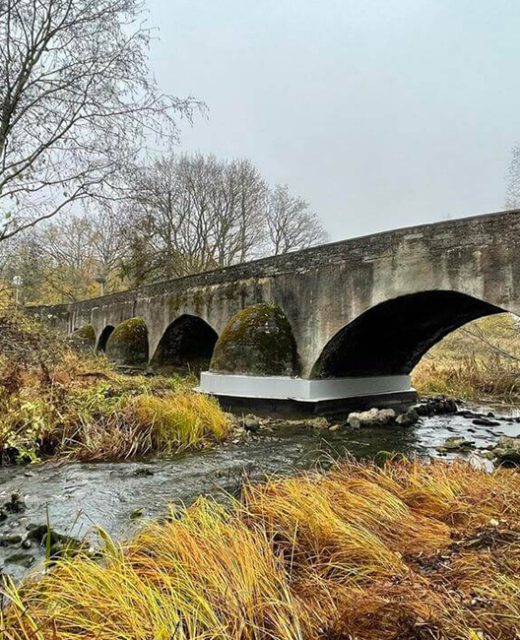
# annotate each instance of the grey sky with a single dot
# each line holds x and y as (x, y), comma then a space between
(381, 113)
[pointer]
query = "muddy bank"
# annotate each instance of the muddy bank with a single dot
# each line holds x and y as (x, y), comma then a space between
(118, 496)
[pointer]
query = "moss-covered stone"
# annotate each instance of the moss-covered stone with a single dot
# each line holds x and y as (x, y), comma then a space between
(259, 341)
(84, 339)
(128, 343)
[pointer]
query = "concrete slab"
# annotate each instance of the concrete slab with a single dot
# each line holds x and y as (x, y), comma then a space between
(300, 389)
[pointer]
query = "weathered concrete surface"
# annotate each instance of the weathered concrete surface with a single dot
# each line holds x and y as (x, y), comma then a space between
(323, 290)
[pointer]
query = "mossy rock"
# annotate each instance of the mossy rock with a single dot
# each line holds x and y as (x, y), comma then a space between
(128, 343)
(258, 341)
(84, 339)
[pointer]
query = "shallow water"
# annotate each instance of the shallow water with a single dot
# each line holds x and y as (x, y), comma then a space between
(78, 496)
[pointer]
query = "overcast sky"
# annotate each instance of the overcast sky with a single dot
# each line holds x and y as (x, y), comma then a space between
(381, 113)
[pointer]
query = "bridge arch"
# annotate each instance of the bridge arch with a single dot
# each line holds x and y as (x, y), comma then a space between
(187, 343)
(391, 337)
(103, 337)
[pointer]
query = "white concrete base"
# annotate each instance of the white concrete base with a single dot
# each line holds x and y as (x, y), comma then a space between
(285, 388)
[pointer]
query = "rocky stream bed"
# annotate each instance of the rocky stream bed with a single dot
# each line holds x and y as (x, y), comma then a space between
(50, 507)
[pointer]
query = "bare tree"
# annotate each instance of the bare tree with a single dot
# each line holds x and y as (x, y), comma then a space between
(238, 213)
(182, 215)
(513, 181)
(108, 242)
(66, 261)
(76, 102)
(65, 252)
(193, 213)
(164, 228)
(25, 268)
(290, 224)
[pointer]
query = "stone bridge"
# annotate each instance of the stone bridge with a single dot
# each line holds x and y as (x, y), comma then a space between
(350, 318)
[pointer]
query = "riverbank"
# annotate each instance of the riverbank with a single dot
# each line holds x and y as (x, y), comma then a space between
(413, 551)
(77, 496)
(58, 403)
(410, 551)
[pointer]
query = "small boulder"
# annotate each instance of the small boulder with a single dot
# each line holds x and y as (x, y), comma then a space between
(25, 560)
(424, 409)
(12, 538)
(41, 533)
(456, 443)
(143, 472)
(487, 455)
(408, 418)
(441, 406)
(507, 450)
(251, 423)
(436, 406)
(485, 422)
(371, 418)
(15, 504)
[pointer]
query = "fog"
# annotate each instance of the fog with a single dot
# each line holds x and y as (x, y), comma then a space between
(381, 113)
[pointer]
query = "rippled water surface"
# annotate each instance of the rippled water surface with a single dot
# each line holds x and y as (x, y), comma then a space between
(77, 496)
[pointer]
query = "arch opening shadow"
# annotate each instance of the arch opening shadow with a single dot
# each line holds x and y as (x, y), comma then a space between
(103, 338)
(186, 345)
(391, 337)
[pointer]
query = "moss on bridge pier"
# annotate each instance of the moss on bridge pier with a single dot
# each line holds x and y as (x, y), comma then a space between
(258, 340)
(128, 343)
(84, 339)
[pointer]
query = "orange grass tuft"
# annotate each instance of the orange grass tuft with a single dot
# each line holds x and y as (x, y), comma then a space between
(411, 551)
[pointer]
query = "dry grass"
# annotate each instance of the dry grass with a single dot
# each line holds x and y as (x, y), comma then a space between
(178, 420)
(62, 403)
(412, 551)
(480, 361)
(145, 423)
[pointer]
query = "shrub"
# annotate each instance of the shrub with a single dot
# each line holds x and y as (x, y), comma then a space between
(55, 401)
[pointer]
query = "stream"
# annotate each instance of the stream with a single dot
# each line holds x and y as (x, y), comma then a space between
(120, 496)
